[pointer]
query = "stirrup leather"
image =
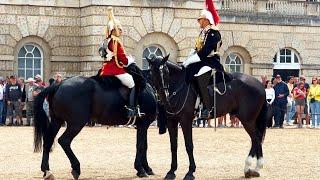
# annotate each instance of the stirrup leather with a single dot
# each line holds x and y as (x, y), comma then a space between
(213, 73)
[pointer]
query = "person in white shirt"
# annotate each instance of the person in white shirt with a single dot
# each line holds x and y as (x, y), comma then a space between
(270, 96)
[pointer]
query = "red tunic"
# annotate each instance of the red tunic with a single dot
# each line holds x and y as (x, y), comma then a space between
(110, 68)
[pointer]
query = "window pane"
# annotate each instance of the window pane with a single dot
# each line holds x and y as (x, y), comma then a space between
(152, 56)
(232, 68)
(288, 51)
(29, 55)
(238, 61)
(282, 59)
(21, 73)
(37, 63)
(288, 59)
(232, 56)
(21, 63)
(29, 48)
(282, 52)
(29, 63)
(152, 49)
(36, 52)
(145, 53)
(22, 52)
(38, 71)
(158, 52)
(228, 60)
(238, 69)
(296, 59)
(29, 73)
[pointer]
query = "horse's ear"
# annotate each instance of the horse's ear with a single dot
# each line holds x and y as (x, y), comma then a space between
(165, 59)
(149, 60)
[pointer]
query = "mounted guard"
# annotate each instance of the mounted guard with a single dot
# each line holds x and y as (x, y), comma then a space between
(205, 57)
(116, 61)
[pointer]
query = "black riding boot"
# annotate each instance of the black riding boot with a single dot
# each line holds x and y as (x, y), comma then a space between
(206, 99)
(131, 108)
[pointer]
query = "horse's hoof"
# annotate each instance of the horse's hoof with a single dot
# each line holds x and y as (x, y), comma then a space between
(142, 174)
(48, 176)
(189, 177)
(251, 173)
(75, 174)
(150, 173)
(170, 177)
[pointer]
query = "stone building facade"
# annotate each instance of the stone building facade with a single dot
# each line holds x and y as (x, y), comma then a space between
(260, 37)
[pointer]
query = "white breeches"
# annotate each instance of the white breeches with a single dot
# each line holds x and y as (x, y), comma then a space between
(126, 79)
(203, 70)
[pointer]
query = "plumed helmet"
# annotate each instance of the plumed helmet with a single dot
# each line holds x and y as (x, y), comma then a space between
(210, 13)
(112, 23)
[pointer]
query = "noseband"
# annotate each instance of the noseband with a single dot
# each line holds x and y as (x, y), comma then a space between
(164, 87)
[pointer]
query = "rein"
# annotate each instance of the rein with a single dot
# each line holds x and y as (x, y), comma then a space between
(174, 93)
(184, 102)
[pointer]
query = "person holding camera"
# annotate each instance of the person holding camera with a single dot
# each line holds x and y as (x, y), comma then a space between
(314, 99)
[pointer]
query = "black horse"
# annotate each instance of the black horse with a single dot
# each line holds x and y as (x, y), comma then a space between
(244, 98)
(79, 99)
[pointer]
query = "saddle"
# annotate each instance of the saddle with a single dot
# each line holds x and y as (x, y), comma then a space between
(220, 78)
(111, 83)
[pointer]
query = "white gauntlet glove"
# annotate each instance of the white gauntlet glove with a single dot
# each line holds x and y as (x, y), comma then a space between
(191, 59)
(130, 60)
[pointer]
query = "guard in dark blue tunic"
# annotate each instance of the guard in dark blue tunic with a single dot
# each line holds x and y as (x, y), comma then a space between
(206, 56)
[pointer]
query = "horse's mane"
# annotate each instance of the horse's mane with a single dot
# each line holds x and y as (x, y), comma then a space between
(173, 65)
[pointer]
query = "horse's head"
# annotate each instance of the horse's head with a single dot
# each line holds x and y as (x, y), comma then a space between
(160, 76)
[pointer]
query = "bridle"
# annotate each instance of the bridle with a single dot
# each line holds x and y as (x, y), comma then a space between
(165, 88)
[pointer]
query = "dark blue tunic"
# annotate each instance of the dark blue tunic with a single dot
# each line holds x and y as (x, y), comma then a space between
(213, 37)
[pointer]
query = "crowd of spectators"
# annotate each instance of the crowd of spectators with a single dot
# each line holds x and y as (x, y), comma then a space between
(17, 96)
(293, 102)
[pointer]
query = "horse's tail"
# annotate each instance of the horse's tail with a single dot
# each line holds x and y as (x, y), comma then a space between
(263, 118)
(41, 120)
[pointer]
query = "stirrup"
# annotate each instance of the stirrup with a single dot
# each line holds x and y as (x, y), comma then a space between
(139, 113)
(132, 119)
(130, 111)
(213, 73)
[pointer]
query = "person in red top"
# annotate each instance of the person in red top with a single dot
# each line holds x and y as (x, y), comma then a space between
(299, 94)
(115, 59)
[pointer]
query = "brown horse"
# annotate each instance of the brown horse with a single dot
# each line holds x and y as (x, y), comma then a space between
(244, 98)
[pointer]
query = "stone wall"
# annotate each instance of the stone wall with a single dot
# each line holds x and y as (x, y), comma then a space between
(57, 30)
(69, 33)
(262, 42)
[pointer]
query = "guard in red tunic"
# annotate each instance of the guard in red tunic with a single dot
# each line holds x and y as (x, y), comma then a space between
(115, 59)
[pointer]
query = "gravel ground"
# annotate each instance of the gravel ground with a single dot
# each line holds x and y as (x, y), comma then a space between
(109, 154)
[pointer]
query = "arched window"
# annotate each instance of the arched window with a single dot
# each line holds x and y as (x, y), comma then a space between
(234, 63)
(29, 61)
(150, 52)
(286, 59)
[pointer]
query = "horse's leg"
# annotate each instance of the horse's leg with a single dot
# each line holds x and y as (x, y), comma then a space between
(260, 160)
(48, 140)
(140, 146)
(173, 132)
(255, 145)
(187, 133)
(145, 164)
(65, 142)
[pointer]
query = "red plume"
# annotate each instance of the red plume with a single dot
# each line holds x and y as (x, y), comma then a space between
(212, 9)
